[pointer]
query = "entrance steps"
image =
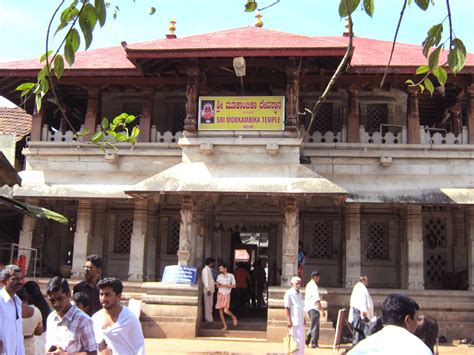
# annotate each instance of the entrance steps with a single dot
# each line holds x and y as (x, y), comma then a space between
(244, 331)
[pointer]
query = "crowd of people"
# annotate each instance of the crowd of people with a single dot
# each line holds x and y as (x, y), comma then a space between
(89, 320)
(398, 330)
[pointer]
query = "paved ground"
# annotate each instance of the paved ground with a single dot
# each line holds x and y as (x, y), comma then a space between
(204, 346)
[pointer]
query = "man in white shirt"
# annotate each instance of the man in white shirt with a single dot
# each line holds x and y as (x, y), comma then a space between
(116, 328)
(11, 334)
(395, 338)
(294, 311)
(312, 305)
(208, 288)
(362, 308)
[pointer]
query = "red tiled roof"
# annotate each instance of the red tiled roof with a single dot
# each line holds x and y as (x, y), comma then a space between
(15, 121)
(369, 55)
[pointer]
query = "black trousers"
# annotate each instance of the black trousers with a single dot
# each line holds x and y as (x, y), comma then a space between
(313, 332)
(359, 326)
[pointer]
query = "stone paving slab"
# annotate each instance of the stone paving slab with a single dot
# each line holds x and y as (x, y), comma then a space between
(234, 347)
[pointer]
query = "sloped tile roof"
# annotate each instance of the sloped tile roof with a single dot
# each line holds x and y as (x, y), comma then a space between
(15, 121)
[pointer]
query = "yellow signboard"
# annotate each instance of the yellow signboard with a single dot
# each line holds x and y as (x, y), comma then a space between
(249, 113)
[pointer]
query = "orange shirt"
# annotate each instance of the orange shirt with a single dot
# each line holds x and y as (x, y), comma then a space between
(241, 278)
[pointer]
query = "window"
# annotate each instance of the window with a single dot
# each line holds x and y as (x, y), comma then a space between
(173, 236)
(321, 240)
(124, 237)
(377, 114)
(377, 246)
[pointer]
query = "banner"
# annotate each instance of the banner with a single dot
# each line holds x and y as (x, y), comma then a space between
(249, 113)
(179, 275)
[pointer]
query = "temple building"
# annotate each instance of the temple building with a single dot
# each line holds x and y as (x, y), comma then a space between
(382, 184)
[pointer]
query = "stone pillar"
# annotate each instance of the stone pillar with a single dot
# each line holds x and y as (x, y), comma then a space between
(292, 97)
(185, 232)
(37, 125)
(290, 240)
(146, 116)
(415, 248)
(413, 116)
(81, 237)
(26, 236)
(353, 119)
(90, 120)
(151, 240)
(470, 249)
(470, 113)
(352, 249)
(100, 225)
(192, 93)
(137, 245)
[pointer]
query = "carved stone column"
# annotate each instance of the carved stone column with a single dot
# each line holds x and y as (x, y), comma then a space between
(151, 241)
(470, 249)
(470, 113)
(81, 237)
(37, 125)
(146, 116)
(415, 248)
(292, 98)
(290, 240)
(99, 229)
(353, 119)
(90, 120)
(26, 235)
(185, 232)
(137, 245)
(353, 245)
(192, 95)
(413, 116)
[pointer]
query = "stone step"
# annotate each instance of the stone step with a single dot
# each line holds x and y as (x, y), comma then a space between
(233, 334)
(250, 326)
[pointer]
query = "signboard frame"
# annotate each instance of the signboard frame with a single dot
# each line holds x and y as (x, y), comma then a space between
(178, 274)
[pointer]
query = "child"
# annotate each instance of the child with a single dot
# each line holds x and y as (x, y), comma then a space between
(81, 300)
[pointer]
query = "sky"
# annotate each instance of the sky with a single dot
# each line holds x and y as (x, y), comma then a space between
(23, 23)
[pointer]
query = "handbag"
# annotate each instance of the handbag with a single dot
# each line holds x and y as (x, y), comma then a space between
(289, 343)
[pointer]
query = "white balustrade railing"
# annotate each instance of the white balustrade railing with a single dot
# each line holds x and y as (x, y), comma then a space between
(327, 137)
(383, 137)
(165, 137)
(441, 136)
(58, 136)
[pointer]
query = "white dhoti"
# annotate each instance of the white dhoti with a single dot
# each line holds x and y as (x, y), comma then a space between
(299, 333)
(208, 300)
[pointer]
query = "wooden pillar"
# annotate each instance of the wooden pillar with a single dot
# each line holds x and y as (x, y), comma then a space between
(353, 246)
(90, 120)
(37, 125)
(146, 116)
(292, 98)
(185, 232)
(26, 235)
(415, 248)
(137, 246)
(413, 116)
(81, 237)
(290, 240)
(470, 113)
(353, 119)
(192, 94)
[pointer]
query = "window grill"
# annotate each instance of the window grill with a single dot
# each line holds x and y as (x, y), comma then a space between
(124, 240)
(173, 236)
(321, 240)
(377, 248)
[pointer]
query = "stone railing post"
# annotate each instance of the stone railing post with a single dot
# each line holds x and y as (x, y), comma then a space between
(81, 237)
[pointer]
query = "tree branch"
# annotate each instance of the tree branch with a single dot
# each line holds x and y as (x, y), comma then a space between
(266, 7)
(394, 42)
(342, 65)
(450, 25)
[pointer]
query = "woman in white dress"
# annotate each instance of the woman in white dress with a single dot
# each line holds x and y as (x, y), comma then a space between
(225, 283)
(32, 322)
(36, 298)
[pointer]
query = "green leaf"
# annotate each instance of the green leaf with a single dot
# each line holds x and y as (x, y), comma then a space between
(42, 73)
(440, 75)
(105, 123)
(130, 119)
(422, 88)
(423, 4)
(83, 133)
(71, 46)
(353, 4)
(369, 7)
(151, 10)
(118, 119)
(422, 69)
(25, 86)
(98, 137)
(44, 85)
(112, 133)
(66, 16)
(429, 86)
(409, 82)
(59, 66)
(457, 56)
(101, 10)
(121, 137)
(87, 22)
(38, 100)
(427, 44)
(435, 32)
(250, 6)
(409, 2)
(43, 57)
(135, 132)
(434, 58)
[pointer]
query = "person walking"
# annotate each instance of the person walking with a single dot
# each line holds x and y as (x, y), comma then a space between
(69, 329)
(36, 298)
(116, 328)
(294, 311)
(93, 270)
(312, 305)
(209, 287)
(362, 309)
(11, 335)
(225, 283)
(32, 323)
